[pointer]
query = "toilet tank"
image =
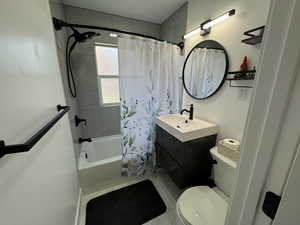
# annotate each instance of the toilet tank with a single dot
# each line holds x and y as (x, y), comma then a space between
(224, 172)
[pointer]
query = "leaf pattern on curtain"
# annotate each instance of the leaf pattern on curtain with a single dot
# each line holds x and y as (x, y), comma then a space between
(148, 88)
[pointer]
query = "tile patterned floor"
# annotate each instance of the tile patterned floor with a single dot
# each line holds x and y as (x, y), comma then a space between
(167, 189)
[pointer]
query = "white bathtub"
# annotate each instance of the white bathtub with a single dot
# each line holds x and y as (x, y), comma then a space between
(100, 162)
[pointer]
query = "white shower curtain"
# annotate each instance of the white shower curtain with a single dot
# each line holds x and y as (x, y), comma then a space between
(205, 71)
(150, 85)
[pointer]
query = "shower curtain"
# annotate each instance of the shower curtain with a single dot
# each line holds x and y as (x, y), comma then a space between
(150, 85)
(206, 69)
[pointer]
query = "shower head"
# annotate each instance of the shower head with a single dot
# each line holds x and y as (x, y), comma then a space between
(78, 38)
(82, 37)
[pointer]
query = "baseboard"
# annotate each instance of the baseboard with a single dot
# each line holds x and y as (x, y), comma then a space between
(78, 208)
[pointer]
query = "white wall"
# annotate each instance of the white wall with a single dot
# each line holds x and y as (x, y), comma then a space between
(39, 187)
(96, 18)
(229, 107)
(174, 27)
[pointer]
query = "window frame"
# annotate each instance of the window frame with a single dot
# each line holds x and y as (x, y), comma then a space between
(105, 76)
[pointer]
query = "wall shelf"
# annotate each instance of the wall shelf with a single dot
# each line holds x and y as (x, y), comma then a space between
(247, 75)
(254, 38)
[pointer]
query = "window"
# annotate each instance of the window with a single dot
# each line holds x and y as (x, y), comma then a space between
(108, 74)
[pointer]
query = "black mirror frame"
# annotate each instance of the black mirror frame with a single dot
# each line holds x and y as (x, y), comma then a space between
(225, 74)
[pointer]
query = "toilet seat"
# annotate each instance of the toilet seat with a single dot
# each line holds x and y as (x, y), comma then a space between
(201, 205)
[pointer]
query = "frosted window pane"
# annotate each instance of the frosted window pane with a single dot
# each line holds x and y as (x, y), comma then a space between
(110, 90)
(107, 60)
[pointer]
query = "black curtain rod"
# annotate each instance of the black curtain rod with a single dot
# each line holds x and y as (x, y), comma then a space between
(59, 24)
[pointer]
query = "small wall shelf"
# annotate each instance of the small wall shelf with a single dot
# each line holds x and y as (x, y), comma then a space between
(247, 75)
(254, 39)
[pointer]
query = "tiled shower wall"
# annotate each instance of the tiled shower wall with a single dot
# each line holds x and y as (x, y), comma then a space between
(57, 11)
(102, 121)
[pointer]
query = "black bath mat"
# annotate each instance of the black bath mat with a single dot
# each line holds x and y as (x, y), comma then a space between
(132, 205)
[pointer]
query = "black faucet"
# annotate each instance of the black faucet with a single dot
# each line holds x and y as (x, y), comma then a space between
(191, 111)
(79, 120)
(81, 140)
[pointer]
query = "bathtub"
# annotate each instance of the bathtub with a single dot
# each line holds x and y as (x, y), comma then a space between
(99, 162)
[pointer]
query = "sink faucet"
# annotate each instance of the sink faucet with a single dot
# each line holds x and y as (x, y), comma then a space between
(191, 111)
(81, 140)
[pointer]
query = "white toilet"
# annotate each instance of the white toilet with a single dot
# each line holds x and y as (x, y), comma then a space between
(202, 205)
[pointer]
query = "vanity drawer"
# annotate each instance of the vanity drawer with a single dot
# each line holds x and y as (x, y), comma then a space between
(160, 136)
(187, 163)
(165, 160)
(171, 144)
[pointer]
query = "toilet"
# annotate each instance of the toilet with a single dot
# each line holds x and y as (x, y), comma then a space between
(201, 205)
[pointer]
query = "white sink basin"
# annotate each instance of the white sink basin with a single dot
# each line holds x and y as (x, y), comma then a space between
(175, 124)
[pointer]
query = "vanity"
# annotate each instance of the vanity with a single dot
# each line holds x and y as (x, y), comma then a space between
(183, 148)
(183, 144)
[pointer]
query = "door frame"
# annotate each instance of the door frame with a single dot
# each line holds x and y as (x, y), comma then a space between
(287, 213)
(273, 86)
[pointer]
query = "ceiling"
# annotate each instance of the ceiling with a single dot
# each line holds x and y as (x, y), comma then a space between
(155, 11)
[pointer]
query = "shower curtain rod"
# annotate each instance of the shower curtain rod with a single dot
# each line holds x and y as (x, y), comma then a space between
(59, 24)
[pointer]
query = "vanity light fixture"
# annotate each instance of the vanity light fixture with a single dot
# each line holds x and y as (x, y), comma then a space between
(192, 33)
(113, 35)
(208, 24)
(205, 27)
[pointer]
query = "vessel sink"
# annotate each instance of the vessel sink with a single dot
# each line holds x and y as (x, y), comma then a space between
(184, 129)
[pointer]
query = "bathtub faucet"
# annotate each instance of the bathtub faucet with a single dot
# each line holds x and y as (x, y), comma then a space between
(79, 120)
(81, 140)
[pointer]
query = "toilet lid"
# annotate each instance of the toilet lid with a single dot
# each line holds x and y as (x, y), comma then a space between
(202, 206)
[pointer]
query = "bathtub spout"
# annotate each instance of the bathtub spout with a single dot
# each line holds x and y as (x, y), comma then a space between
(81, 140)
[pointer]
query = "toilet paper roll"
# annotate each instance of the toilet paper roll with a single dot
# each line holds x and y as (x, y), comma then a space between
(231, 144)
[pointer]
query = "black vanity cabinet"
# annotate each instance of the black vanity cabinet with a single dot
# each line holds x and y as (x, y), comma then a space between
(187, 163)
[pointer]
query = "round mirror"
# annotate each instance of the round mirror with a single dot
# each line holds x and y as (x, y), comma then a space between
(205, 69)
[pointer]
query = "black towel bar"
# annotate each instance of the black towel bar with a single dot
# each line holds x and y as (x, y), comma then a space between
(10, 149)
